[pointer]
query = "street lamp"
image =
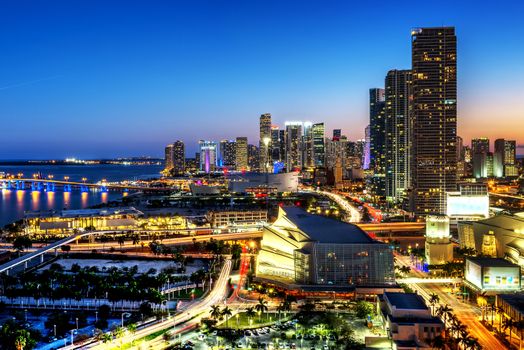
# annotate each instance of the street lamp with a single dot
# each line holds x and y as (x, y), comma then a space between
(54, 330)
(77, 323)
(126, 314)
(96, 316)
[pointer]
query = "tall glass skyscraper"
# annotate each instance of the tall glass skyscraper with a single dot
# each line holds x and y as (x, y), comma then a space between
(265, 136)
(398, 134)
(319, 151)
(434, 161)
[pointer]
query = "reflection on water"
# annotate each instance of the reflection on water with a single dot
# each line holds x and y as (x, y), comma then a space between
(13, 203)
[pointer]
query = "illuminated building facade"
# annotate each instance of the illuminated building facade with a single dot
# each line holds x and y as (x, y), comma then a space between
(293, 145)
(228, 150)
(208, 155)
(470, 203)
(265, 133)
(179, 157)
(434, 110)
(221, 218)
(241, 154)
(492, 275)
(302, 248)
(276, 147)
(397, 134)
(439, 248)
(504, 159)
(168, 159)
(319, 149)
(480, 157)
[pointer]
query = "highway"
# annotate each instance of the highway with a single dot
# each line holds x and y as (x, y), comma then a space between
(353, 215)
(467, 313)
(189, 313)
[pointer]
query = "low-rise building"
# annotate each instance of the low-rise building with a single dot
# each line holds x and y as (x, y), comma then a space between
(492, 275)
(60, 222)
(512, 305)
(306, 249)
(220, 218)
(408, 321)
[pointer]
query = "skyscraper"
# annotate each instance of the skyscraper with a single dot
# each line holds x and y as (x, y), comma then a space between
(293, 145)
(336, 134)
(398, 132)
(366, 157)
(228, 151)
(265, 140)
(319, 150)
(377, 127)
(179, 157)
(168, 156)
(434, 87)
(241, 154)
(307, 145)
(504, 159)
(275, 144)
(480, 157)
(208, 155)
(175, 160)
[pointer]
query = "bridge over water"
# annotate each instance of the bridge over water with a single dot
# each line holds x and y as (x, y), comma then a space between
(50, 185)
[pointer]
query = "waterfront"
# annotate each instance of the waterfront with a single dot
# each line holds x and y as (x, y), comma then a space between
(13, 203)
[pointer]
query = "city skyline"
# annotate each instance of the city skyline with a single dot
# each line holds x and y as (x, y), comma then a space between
(156, 81)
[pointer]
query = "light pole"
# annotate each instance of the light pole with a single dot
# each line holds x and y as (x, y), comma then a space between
(77, 323)
(71, 337)
(54, 330)
(126, 314)
(96, 316)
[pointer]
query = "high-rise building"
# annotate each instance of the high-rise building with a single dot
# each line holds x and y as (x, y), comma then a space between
(168, 151)
(504, 159)
(275, 144)
(367, 149)
(265, 140)
(434, 89)
(293, 145)
(377, 128)
(175, 159)
(228, 150)
(336, 134)
(307, 145)
(480, 157)
(241, 154)
(398, 132)
(319, 150)
(208, 155)
(179, 157)
(282, 145)
(253, 154)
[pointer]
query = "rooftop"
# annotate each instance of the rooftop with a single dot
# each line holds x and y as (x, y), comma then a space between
(491, 262)
(407, 301)
(326, 230)
(515, 300)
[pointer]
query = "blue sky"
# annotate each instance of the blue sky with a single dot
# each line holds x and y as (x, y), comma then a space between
(121, 78)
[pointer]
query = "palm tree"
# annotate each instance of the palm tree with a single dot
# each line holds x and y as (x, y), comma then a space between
(482, 302)
(443, 311)
(106, 337)
(215, 312)
(508, 324)
(433, 300)
(20, 342)
(261, 307)
(226, 311)
(250, 312)
(437, 342)
(500, 312)
(519, 327)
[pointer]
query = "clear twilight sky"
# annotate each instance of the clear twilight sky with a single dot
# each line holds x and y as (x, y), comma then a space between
(121, 78)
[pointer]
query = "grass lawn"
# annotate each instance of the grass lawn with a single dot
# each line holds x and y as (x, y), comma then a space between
(243, 322)
(187, 296)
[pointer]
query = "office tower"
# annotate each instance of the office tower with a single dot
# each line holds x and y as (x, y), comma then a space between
(336, 151)
(228, 150)
(265, 140)
(179, 157)
(319, 151)
(398, 132)
(480, 153)
(241, 154)
(282, 145)
(293, 145)
(366, 158)
(275, 144)
(307, 145)
(168, 156)
(208, 155)
(460, 149)
(253, 154)
(336, 134)
(377, 128)
(434, 110)
(504, 159)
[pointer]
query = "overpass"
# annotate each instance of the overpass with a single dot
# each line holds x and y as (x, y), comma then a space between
(393, 227)
(53, 247)
(50, 184)
(430, 280)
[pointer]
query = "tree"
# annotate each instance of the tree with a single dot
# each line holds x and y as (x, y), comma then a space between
(22, 243)
(12, 337)
(226, 312)
(250, 313)
(261, 307)
(132, 329)
(364, 308)
(482, 302)
(433, 300)
(508, 324)
(215, 312)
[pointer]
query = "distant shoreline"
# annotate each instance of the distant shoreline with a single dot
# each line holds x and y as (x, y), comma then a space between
(87, 163)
